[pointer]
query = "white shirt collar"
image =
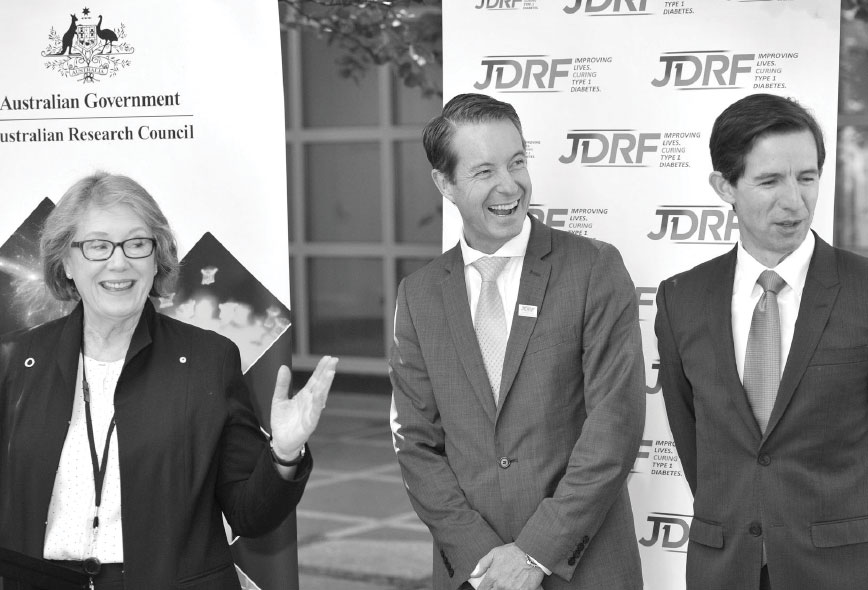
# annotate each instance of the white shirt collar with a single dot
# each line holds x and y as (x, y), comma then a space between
(515, 247)
(793, 269)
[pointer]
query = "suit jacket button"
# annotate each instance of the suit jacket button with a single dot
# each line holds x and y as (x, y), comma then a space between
(504, 462)
(764, 460)
(755, 529)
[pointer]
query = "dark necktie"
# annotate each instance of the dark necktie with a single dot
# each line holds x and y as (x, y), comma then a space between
(762, 361)
(490, 321)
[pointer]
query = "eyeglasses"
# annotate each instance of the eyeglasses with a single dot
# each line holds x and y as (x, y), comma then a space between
(98, 250)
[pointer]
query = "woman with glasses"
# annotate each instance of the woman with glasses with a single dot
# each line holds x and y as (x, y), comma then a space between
(124, 434)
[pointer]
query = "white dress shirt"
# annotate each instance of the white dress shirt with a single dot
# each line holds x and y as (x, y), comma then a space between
(509, 279)
(69, 533)
(746, 292)
(507, 284)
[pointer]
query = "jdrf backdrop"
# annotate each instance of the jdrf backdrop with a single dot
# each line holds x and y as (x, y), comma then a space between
(617, 99)
(187, 99)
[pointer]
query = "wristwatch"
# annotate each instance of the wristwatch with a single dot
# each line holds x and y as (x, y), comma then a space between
(532, 563)
(283, 463)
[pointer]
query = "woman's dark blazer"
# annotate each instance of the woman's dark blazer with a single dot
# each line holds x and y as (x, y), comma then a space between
(189, 447)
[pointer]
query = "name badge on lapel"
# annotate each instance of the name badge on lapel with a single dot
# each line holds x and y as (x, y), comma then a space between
(527, 311)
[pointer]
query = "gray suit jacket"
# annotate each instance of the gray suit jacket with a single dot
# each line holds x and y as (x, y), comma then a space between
(547, 468)
(802, 487)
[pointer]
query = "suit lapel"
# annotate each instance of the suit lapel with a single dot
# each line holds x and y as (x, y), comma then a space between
(69, 348)
(67, 360)
(142, 335)
(55, 389)
(458, 318)
(720, 323)
(818, 297)
(535, 274)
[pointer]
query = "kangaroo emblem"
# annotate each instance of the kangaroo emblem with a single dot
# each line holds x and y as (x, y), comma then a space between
(68, 37)
(87, 51)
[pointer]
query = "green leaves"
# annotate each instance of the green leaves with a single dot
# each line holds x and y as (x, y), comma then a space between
(405, 35)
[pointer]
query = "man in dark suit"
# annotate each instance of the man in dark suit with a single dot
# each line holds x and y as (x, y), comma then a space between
(518, 396)
(764, 367)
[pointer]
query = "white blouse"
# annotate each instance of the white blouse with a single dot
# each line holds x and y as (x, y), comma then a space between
(70, 534)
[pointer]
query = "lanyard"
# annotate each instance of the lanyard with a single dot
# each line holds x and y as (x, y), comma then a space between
(98, 470)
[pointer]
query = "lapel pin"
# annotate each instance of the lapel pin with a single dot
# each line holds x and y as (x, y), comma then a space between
(29, 362)
(527, 311)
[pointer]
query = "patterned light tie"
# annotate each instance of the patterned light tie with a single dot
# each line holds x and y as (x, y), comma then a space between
(762, 361)
(490, 322)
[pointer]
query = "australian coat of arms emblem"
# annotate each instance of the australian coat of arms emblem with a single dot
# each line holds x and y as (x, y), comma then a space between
(87, 50)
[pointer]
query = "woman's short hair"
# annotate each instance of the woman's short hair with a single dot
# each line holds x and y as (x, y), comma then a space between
(463, 109)
(103, 190)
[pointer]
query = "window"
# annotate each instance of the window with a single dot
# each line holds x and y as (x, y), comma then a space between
(363, 209)
(851, 190)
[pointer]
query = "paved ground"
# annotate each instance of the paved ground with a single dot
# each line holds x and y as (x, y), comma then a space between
(356, 528)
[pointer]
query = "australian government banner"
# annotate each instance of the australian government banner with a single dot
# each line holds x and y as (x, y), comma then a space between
(187, 99)
(617, 99)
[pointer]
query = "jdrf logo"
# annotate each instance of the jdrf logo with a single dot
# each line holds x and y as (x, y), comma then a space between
(697, 69)
(606, 147)
(656, 387)
(674, 528)
(527, 72)
(645, 447)
(612, 6)
(644, 453)
(550, 217)
(498, 4)
(700, 224)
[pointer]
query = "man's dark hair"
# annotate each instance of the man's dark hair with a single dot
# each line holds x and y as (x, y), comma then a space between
(754, 117)
(464, 108)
